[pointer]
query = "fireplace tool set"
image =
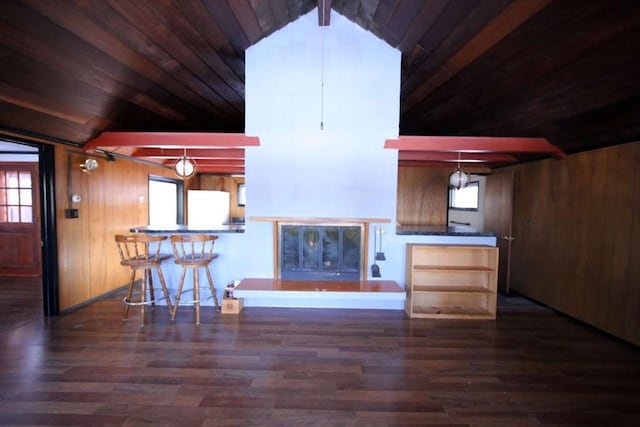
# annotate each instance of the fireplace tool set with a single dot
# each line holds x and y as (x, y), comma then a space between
(375, 268)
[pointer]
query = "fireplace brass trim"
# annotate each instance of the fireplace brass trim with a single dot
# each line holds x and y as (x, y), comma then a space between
(360, 222)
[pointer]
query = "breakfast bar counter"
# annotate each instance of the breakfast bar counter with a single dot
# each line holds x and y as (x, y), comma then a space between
(179, 228)
(426, 230)
(228, 247)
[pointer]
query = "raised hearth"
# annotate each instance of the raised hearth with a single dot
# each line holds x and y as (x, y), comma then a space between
(371, 294)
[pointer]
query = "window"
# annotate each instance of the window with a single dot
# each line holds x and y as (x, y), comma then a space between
(165, 201)
(465, 199)
(242, 195)
(16, 203)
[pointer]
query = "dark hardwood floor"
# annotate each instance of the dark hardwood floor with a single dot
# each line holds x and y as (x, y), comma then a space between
(296, 367)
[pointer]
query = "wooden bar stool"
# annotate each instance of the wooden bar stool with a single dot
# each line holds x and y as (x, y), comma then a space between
(194, 251)
(135, 254)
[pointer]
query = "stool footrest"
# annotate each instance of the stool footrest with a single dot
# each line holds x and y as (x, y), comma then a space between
(139, 303)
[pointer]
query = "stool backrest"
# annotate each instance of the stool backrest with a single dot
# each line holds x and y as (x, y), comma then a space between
(134, 249)
(193, 249)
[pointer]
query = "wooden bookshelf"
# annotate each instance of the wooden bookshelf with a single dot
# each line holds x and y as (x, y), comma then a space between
(451, 281)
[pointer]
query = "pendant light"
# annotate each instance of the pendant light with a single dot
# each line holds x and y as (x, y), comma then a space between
(89, 165)
(458, 178)
(185, 167)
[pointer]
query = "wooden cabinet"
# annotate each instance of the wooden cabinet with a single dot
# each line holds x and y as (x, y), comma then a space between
(451, 281)
(422, 196)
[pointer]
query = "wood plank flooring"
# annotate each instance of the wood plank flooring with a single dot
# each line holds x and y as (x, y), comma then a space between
(293, 367)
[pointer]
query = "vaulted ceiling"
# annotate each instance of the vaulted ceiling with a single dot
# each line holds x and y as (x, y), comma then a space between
(564, 70)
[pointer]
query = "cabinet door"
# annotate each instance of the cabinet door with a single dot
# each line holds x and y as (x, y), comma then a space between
(422, 196)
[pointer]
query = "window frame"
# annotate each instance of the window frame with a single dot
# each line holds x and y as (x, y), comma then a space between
(241, 194)
(19, 190)
(452, 192)
(179, 196)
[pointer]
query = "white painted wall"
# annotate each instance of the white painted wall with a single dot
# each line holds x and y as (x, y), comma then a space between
(301, 170)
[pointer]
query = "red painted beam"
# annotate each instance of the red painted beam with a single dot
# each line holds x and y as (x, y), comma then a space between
(170, 140)
(474, 144)
(451, 157)
(221, 170)
(214, 166)
(324, 13)
(478, 168)
(220, 162)
(194, 153)
(211, 162)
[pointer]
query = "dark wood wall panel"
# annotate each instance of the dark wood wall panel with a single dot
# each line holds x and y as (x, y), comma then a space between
(555, 72)
(632, 306)
(441, 43)
(123, 45)
(577, 226)
(203, 80)
(422, 196)
(21, 118)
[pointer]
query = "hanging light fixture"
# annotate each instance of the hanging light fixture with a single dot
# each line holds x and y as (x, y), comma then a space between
(89, 165)
(458, 178)
(185, 167)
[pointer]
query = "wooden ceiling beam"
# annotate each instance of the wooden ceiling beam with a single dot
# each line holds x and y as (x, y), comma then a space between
(33, 102)
(170, 140)
(324, 13)
(514, 15)
(474, 144)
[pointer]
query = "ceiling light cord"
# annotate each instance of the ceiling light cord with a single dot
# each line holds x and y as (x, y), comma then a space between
(322, 79)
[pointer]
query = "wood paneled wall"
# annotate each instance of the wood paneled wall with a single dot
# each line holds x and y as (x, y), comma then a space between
(114, 198)
(422, 196)
(576, 224)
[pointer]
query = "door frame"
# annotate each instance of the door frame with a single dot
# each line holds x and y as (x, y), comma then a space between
(48, 224)
(48, 228)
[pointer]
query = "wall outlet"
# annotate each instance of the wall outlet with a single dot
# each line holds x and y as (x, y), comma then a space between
(71, 213)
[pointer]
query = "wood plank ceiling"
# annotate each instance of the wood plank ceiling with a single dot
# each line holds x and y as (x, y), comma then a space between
(564, 70)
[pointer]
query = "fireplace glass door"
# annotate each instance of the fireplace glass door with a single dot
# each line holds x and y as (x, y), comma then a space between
(320, 252)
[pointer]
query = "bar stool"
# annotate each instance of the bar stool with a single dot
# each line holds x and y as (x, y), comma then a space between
(135, 254)
(193, 251)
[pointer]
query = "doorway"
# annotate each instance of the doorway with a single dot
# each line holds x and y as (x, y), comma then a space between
(498, 218)
(45, 248)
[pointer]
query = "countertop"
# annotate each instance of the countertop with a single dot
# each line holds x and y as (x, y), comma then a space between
(179, 228)
(456, 230)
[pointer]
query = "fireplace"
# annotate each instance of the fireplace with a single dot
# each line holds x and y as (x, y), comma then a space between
(320, 252)
(320, 249)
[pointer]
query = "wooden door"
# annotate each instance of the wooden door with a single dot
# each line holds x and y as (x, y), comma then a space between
(498, 218)
(20, 248)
